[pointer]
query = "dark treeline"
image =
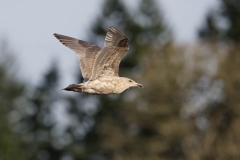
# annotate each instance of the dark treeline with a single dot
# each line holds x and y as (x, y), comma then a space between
(189, 107)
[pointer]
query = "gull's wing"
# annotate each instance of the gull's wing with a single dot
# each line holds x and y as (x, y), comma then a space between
(108, 60)
(85, 51)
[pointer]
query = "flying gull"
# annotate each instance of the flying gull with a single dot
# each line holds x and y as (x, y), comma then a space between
(100, 66)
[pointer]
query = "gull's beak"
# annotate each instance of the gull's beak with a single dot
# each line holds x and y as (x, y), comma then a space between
(139, 85)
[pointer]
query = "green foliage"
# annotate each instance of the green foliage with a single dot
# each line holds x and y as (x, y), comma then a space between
(212, 107)
(39, 126)
(10, 91)
(143, 27)
(144, 124)
(219, 140)
(188, 109)
(223, 23)
(140, 124)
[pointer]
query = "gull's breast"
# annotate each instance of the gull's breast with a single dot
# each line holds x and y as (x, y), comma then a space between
(105, 85)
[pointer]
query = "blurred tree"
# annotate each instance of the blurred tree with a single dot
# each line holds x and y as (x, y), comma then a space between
(223, 23)
(143, 27)
(224, 118)
(219, 139)
(37, 119)
(213, 107)
(48, 132)
(11, 90)
(139, 123)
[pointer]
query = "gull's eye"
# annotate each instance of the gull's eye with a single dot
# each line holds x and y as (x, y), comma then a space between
(129, 80)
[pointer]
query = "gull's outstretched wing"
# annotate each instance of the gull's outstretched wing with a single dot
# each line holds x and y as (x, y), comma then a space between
(85, 51)
(108, 60)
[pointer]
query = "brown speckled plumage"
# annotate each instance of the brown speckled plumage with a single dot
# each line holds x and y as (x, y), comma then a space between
(100, 66)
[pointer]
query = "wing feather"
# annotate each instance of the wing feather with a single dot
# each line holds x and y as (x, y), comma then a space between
(108, 60)
(86, 53)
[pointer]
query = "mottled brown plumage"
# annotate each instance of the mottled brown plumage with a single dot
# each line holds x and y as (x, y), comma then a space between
(100, 66)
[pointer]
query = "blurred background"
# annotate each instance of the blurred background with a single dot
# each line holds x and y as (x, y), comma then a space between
(186, 54)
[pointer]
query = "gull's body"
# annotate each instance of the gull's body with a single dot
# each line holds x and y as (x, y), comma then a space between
(103, 85)
(100, 66)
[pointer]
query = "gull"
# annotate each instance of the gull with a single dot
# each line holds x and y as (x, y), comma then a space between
(100, 67)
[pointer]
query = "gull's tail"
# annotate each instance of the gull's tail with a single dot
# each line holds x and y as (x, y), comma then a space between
(74, 88)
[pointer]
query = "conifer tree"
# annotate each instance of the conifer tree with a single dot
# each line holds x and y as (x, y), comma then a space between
(37, 126)
(139, 124)
(219, 138)
(11, 146)
(222, 23)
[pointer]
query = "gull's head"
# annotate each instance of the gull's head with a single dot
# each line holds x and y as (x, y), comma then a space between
(131, 83)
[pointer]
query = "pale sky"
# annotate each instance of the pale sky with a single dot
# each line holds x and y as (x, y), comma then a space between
(29, 26)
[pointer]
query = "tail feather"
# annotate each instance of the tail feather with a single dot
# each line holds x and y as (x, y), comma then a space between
(74, 87)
